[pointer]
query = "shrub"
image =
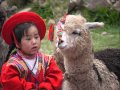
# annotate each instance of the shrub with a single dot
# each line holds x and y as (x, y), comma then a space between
(45, 12)
(107, 15)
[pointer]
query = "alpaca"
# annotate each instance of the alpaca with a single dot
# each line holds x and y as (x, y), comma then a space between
(82, 70)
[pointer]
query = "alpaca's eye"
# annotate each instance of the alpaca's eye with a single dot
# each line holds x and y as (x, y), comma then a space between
(76, 33)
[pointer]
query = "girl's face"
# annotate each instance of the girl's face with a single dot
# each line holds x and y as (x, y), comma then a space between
(30, 42)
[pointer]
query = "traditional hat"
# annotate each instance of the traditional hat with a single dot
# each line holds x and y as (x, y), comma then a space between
(22, 17)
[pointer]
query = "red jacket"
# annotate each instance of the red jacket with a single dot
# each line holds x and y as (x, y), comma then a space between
(16, 76)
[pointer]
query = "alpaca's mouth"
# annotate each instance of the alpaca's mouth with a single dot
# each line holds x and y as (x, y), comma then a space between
(62, 46)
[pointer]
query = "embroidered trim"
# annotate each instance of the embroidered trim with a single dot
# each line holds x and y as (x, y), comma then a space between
(43, 63)
(20, 65)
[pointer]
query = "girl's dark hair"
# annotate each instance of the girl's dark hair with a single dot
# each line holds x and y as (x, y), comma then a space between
(21, 29)
(19, 32)
(11, 48)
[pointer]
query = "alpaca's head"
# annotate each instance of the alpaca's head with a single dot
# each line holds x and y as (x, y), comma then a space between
(75, 36)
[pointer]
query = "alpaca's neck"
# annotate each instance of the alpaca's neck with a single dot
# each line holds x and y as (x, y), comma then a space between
(79, 64)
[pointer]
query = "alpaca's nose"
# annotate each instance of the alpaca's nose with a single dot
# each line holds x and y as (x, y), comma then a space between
(60, 41)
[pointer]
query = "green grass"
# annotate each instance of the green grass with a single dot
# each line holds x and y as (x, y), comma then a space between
(46, 47)
(110, 40)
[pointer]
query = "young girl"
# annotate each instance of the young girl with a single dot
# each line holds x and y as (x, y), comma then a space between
(27, 68)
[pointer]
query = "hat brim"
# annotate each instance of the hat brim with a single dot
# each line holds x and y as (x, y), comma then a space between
(19, 18)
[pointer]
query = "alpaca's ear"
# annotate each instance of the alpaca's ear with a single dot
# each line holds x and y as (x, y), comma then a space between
(93, 25)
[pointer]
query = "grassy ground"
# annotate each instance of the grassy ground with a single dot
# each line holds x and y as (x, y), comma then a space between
(46, 46)
(100, 41)
(110, 40)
